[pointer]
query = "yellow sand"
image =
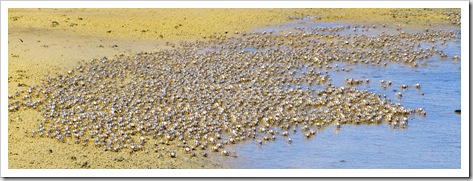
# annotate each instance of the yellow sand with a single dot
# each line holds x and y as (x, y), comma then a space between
(43, 42)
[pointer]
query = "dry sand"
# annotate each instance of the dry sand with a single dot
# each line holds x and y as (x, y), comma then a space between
(43, 42)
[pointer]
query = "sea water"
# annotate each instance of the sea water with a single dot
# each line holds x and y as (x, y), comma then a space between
(430, 142)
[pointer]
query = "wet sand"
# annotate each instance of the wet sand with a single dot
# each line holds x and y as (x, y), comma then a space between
(43, 42)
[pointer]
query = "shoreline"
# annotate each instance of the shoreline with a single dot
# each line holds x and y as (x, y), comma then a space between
(37, 48)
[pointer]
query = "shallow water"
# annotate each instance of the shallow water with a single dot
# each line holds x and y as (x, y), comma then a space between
(431, 142)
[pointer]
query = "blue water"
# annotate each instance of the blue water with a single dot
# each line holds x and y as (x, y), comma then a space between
(430, 142)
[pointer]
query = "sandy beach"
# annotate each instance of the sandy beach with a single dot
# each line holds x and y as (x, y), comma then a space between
(46, 42)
